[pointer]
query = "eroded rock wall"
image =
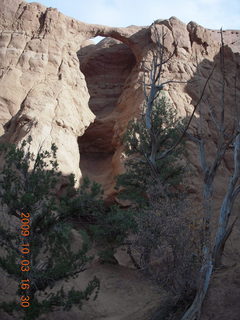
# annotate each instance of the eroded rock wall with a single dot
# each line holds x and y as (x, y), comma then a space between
(43, 92)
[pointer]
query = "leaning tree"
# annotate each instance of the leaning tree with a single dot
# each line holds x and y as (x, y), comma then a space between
(227, 136)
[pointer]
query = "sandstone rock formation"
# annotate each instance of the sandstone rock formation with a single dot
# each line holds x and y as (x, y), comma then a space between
(57, 86)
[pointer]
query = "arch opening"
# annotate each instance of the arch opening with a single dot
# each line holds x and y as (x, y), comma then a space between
(107, 67)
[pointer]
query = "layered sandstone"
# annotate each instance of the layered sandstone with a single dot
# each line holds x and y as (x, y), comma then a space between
(59, 87)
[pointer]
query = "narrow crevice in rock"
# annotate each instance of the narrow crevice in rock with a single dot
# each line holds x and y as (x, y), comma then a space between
(106, 67)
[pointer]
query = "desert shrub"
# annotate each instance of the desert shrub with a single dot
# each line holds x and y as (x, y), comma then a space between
(111, 229)
(142, 168)
(33, 218)
(107, 225)
(166, 245)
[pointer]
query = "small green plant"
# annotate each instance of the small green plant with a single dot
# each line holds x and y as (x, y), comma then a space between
(111, 228)
(106, 225)
(38, 223)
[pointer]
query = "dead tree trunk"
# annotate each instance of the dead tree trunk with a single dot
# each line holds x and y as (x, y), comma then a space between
(224, 230)
(209, 173)
(193, 313)
(212, 253)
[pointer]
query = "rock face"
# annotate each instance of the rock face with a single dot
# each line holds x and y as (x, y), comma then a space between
(57, 86)
(43, 93)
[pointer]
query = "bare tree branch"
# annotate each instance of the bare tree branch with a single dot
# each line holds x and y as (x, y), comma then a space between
(213, 257)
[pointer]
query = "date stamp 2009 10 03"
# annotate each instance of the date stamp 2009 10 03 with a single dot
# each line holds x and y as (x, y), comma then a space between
(25, 262)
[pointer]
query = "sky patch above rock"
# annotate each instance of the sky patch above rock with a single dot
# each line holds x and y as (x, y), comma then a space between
(212, 14)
